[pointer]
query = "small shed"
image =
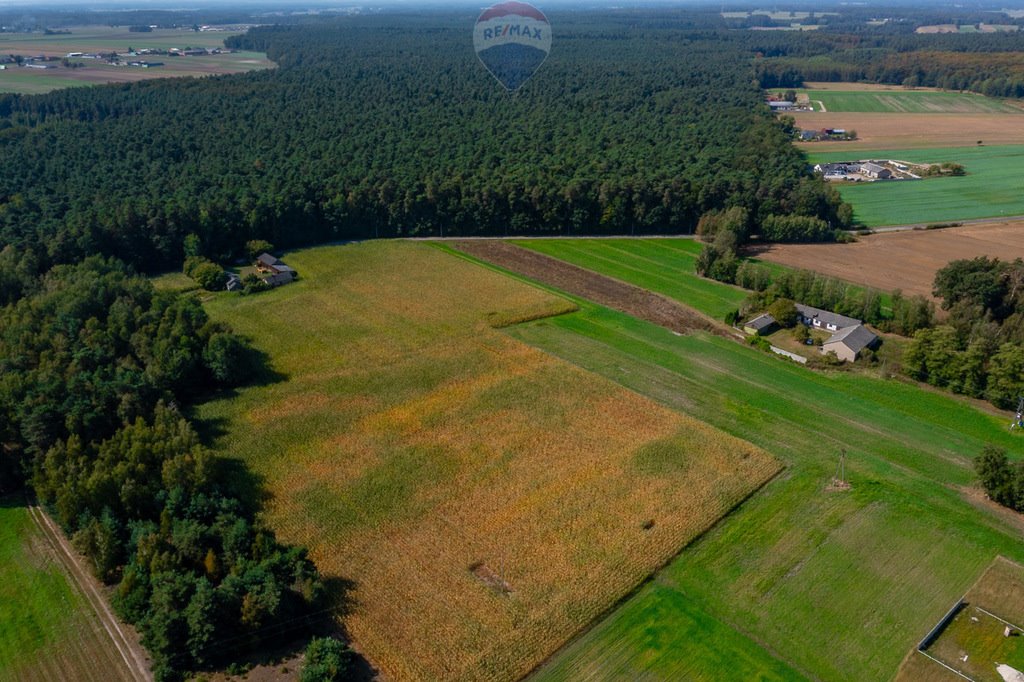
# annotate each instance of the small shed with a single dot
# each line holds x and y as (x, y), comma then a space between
(279, 279)
(762, 325)
(234, 282)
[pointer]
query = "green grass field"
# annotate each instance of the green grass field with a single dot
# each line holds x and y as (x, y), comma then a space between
(33, 82)
(48, 630)
(662, 265)
(838, 585)
(909, 102)
(666, 266)
(45, 601)
(831, 586)
(993, 186)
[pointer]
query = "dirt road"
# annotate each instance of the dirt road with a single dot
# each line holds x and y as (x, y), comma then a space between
(131, 657)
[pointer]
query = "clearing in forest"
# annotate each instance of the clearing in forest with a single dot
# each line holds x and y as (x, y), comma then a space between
(485, 499)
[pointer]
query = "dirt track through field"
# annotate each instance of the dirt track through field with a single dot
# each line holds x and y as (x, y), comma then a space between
(132, 664)
(578, 281)
(902, 260)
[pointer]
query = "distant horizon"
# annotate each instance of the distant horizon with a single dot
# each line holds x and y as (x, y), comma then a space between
(327, 5)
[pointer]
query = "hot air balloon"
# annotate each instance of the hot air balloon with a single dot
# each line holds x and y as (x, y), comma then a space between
(512, 40)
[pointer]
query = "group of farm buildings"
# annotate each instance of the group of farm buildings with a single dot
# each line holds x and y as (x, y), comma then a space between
(275, 272)
(849, 335)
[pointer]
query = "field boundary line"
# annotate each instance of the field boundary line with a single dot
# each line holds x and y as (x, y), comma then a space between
(134, 662)
(1001, 620)
(653, 577)
(947, 667)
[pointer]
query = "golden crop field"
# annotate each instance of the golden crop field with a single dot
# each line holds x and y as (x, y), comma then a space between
(485, 500)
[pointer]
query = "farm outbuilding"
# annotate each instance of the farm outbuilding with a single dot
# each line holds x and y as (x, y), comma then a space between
(848, 343)
(762, 325)
(273, 265)
(873, 170)
(279, 279)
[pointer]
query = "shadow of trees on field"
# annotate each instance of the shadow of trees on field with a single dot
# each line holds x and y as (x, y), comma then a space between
(281, 654)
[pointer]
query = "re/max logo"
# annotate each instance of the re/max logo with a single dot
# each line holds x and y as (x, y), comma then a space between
(512, 30)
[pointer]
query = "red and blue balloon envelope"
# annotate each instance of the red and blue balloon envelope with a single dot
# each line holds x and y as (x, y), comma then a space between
(512, 40)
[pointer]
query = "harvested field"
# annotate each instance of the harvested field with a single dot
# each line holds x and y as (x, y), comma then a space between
(627, 298)
(907, 131)
(901, 260)
(485, 499)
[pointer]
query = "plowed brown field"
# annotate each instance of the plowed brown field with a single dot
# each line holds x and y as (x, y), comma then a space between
(902, 260)
(885, 130)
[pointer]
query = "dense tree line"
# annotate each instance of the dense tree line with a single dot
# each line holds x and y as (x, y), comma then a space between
(96, 368)
(389, 126)
(906, 315)
(978, 350)
(990, 64)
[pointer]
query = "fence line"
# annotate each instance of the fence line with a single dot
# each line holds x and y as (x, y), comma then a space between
(949, 668)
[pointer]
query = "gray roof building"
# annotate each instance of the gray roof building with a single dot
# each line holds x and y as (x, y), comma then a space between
(759, 324)
(824, 319)
(848, 343)
(279, 278)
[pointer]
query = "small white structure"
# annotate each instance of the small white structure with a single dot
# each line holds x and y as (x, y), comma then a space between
(1009, 674)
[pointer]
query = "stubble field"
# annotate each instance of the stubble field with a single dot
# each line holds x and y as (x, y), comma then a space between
(487, 500)
(901, 260)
